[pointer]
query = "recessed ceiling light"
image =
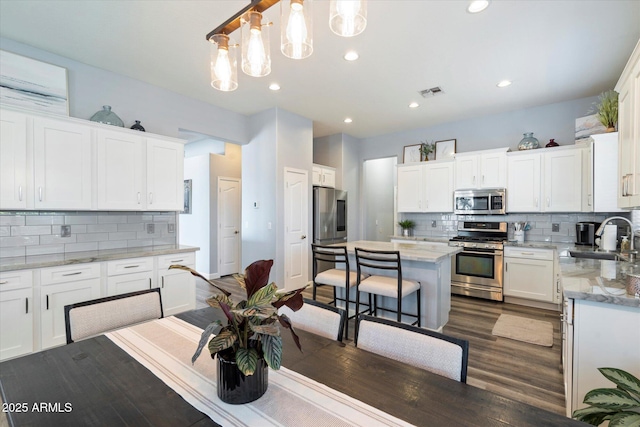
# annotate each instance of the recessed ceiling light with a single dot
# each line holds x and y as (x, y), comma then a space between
(348, 120)
(504, 83)
(352, 55)
(414, 105)
(274, 86)
(477, 6)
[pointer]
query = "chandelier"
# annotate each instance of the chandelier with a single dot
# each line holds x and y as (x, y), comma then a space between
(347, 18)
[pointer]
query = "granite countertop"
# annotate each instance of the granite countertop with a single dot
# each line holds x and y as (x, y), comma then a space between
(408, 251)
(53, 260)
(598, 280)
(422, 239)
(539, 245)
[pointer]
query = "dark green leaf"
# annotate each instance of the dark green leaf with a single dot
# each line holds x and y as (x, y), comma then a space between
(247, 360)
(263, 296)
(292, 299)
(262, 312)
(610, 398)
(625, 419)
(623, 380)
(195, 273)
(286, 323)
(268, 329)
(225, 339)
(256, 276)
(272, 349)
(592, 415)
(203, 339)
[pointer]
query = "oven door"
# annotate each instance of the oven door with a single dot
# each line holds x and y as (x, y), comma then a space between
(478, 267)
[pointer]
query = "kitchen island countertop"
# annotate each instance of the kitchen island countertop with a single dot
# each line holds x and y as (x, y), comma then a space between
(408, 251)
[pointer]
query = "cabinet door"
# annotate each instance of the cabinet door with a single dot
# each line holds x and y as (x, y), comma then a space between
(493, 170)
(177, 287)
(466, 172)
(563, 181)
(316, 176)
(165, 177)
(523, 183)
(53, 300)
(438, 184)
(410, 188)
(120, 171)
(16, 322)
(13, 160)
(629, 135)
(329, 178)
(125, 283)
(529, 278)
(62, 165)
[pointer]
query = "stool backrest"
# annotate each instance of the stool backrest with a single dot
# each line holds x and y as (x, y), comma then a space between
(381, 260)
(318, 318)
(331, 254)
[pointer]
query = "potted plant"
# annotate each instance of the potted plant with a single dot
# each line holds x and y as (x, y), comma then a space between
(621, 405)
(608, 110)
(251, 339)
(407, 227)
(426, 149)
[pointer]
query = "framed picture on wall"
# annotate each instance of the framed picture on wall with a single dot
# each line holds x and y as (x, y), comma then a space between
(445, 149)
(411, 153)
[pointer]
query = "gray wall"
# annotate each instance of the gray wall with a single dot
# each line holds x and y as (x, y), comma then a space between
(378, 198)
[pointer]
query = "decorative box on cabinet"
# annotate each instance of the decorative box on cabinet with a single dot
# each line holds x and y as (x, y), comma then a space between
(129, 275)
(16, 313)
(481, 169)
(323, 176)
(177, 287)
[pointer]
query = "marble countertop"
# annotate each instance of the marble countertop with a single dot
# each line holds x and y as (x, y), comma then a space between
(421, 239)
(408, 251)
(598, 280)
(53, 260)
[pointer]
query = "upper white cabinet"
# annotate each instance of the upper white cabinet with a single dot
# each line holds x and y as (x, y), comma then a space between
(165, 175)
(323, 176)
(13, 160)
(523, 191)
(485, 169)
(426, 187)
(628, 88)
(604, 157)
(410, 188)
(563, 181)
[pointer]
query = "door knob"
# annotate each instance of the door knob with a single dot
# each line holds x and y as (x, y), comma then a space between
(303, 237)
(235, 232)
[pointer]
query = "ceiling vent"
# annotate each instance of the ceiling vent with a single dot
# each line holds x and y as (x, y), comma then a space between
(431, 92)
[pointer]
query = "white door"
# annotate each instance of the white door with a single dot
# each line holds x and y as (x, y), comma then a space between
(229, 215)
(296, 221)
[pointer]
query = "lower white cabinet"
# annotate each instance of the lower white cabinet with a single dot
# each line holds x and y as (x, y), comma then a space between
(177, 287)
(129, 275)
(528, 273)
(16, 314)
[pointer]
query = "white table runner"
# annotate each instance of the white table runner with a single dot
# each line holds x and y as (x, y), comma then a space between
(165, 347)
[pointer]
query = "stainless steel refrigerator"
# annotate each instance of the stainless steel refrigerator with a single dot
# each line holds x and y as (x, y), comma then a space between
(329, 216)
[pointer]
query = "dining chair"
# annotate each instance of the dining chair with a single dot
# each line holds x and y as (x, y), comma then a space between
(335, 277)
(318, 318)
(419, 347)
(89, 318)
(391, 286)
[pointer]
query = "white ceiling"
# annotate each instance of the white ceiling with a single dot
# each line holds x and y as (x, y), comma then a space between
(552, 50)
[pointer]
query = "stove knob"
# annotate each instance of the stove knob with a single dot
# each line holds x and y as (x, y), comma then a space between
(473, 245)
(487, 246)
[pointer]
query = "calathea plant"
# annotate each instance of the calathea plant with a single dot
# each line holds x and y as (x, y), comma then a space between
(252, 330)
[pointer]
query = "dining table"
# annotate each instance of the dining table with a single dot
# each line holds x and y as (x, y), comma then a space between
(95, 382)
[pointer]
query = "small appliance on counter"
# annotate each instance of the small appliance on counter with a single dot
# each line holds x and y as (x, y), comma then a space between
(586, 233)
(608, 242)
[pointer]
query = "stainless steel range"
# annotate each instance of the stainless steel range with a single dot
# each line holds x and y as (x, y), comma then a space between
(477, 270)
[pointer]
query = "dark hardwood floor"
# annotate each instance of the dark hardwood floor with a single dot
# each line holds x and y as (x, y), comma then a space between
(524, 372)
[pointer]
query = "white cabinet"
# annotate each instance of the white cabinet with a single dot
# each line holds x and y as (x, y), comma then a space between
(323, 176)
(13, 160)
(563, 181)
(121, 169)
(528, 273)
(628, 87)
(177, 287)
(129, 275)
(62, 165)
(427, 187)
(523, 191)
(486, 169)
(16, 314)
(165, 175)
(604, 157)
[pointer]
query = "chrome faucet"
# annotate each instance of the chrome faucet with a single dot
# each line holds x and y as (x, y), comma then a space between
(600, 230)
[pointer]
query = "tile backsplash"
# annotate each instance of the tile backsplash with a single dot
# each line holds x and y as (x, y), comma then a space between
(446, 225)
(39, 233)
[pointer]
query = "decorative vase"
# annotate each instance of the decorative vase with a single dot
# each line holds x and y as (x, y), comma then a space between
(236, 388)
(107, 117)
(552, 143)
(407, 232)
(137, 126)
(529, 142)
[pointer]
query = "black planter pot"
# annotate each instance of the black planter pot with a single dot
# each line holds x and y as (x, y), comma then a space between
(236, 388)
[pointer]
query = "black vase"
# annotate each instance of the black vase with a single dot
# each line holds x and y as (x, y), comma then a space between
(137, 126)
(236, 388)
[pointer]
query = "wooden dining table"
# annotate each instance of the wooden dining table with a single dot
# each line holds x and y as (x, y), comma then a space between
(94, 382)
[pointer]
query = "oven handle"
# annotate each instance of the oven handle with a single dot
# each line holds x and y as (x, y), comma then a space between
(497, 254)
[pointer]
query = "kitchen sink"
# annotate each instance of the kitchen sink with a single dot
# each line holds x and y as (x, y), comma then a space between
(613, 256)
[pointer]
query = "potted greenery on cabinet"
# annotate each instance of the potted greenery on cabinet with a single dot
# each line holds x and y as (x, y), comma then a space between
(407, 227)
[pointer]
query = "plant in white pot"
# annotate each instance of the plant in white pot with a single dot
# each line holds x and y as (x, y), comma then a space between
(407, 227)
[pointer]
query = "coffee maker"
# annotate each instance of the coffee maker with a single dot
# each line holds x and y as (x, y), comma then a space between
(586, 233)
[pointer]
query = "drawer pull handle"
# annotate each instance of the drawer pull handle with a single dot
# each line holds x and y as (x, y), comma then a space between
(138, 197)
(40, 192)
(27, 305)
(527, 253)
(4, 282)
(47, 302)
(163, 282)
(149, 282)
(73, 274)
(151, 198)
(131, 266)
(178, 260)
(20, 193)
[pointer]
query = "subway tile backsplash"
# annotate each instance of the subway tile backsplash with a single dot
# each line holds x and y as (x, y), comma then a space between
(39, 233)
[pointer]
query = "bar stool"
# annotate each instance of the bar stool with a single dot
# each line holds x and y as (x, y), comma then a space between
(393, 286)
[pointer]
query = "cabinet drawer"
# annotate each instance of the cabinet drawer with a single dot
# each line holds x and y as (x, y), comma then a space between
(188, 259)
(529, 253)
(69, 273)
(10, 280)
(129, 265)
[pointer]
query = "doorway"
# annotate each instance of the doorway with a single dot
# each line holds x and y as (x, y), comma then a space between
(379, 181)
(296, 232)
(229, 216)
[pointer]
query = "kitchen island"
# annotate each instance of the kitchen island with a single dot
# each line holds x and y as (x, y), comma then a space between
(429, 264)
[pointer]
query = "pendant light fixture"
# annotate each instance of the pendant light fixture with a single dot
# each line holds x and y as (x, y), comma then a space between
(256, 53)
(224, 66)
(296, 38)
(348, 18)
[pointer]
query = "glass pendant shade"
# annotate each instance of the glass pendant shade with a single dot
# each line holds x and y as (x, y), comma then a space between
(224, 65)
(256, 54)
(348, 18)
(296, 39)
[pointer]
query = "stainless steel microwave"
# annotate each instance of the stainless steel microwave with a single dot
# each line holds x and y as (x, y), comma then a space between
(480, 202)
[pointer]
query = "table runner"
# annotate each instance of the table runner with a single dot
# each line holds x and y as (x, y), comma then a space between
(165, 347)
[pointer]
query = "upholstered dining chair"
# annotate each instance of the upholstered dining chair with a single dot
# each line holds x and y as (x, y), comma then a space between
(318, 318)
(89, 318)
(391, 286)
(335, 277)
(422, 348)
